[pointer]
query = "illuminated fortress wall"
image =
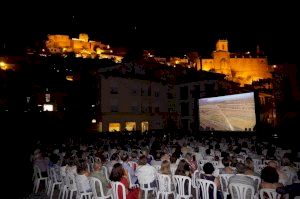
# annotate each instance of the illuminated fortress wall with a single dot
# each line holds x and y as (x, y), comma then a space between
(238, 69)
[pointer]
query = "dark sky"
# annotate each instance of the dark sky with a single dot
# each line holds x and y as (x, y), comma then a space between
(173, 28)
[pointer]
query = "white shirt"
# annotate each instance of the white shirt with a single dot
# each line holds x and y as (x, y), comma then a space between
(146, 174)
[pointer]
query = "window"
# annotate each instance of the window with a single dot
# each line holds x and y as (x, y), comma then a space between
(114, 87)
(130, 126)
(184, 107)
(114, 90)
(144, 126)
(134, 107)
(196, 92)
(112, 127)
(184, 93)
(114, 105)
(149, 91)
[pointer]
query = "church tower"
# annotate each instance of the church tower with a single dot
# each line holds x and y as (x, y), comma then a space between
(221, 58)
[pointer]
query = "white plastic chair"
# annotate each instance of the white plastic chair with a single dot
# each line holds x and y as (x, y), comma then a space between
(133, 165)
(71, 185)
(257, 181)
(81, 193)
(164, 186)
(239, 191)
(256, 162)
(269, 194)
(53, 182)
(195, 175)
(224, 179)
(259, 168)
(96, 184)
(106, 172)
(157, 167)
(146, 188)
(38, 178)
(180, 188)
(115, 186)
(206, 186)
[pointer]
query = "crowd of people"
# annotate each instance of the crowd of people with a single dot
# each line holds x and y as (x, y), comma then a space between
(136, 162)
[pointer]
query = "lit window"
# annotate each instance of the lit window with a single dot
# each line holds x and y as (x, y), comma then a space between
(144, 126)
(112, 127)
(130, 126)
(48, 107)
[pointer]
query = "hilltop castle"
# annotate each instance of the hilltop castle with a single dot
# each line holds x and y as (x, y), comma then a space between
(240, 68)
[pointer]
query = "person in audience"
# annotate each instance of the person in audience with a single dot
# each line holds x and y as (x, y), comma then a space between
(270, 178)
(146, 173)
(165, 168)
(250, 167)
(41, 163)
(128, 168)
(193, 164)
(208, 155)
(149, 157)
(183, 169)
(208, 169)
(82, 180)
(119, 174)
(293, 190)
(99, 173)
(242, 179)
(113, 160)
(288, 170)
(227, 169)
(283, 178)
(71, 168)
(134, 156)
(165, 156)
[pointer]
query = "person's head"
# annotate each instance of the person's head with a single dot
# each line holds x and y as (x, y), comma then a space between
(145, 152)
(173, 159)
(115, 157)
(165, 167)
(81, 168)
(125, 158)
(249, 164)
(165, 156)
(117, 172)
(240, 168)
(286, 161)
(269, 174)
(226, 162)
(188, 157)
(97, 166)
(143, 160)
(181, 164)
(208, 168)
(207, 151)
(273, 164)
(134, 154)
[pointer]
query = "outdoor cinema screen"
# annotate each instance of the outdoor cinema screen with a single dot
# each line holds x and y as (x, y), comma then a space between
(227, 113)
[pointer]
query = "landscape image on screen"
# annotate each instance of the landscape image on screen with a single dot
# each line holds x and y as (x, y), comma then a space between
(228, 113)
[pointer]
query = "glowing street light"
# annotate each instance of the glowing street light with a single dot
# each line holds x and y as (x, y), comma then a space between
(2, 64)
(94, 121)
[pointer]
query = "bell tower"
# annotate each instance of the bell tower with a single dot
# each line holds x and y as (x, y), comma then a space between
(222, 45)
(221, 58)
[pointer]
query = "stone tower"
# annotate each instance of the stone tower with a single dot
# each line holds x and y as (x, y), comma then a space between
(221, 57)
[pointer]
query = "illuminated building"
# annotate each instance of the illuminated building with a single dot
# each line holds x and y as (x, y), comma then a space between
(240, 68)
(132, 102)
(82, 47)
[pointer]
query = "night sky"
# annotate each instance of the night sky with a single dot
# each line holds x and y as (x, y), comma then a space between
(171, 29)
